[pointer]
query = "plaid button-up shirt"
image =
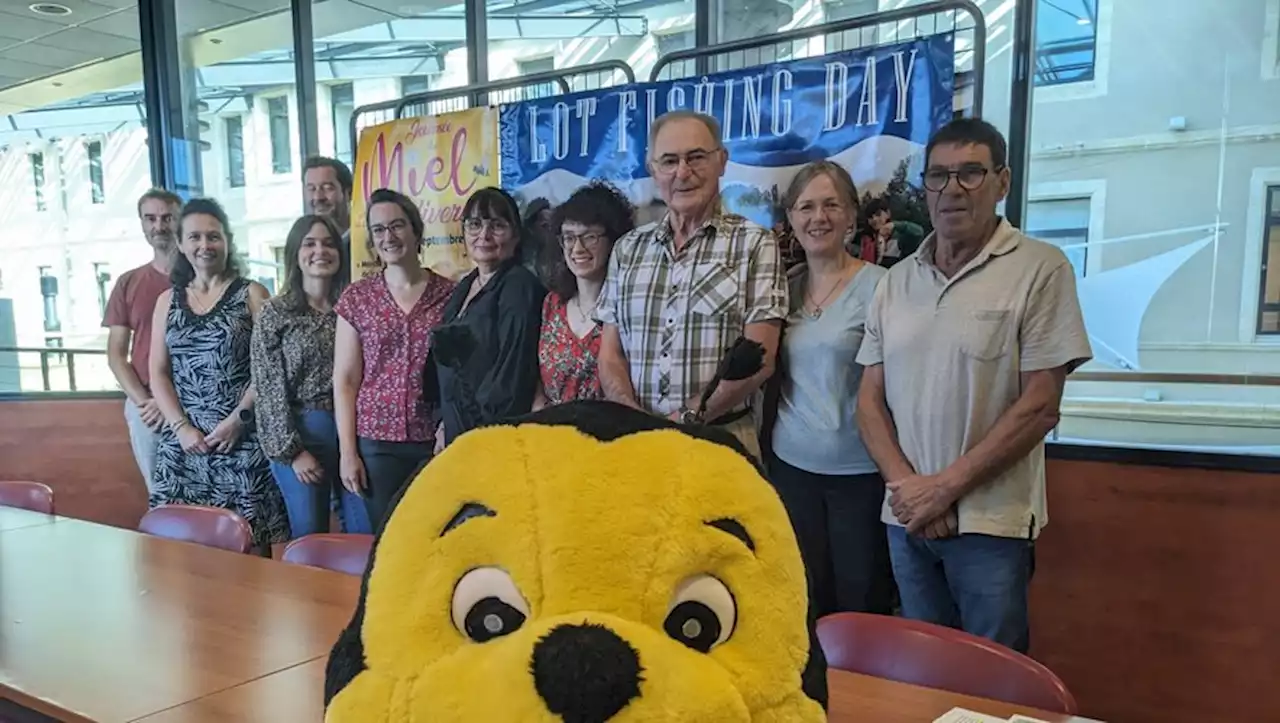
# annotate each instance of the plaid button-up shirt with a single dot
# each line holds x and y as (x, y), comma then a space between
(677, 314)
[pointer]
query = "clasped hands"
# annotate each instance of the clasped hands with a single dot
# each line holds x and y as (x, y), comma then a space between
(222, 439)
(925, 504)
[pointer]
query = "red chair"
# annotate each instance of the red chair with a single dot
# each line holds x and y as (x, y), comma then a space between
(208, 526)
(27, 495)
(338, 552)
(934, 656)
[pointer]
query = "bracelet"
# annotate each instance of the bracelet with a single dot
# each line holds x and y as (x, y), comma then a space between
(175, 426)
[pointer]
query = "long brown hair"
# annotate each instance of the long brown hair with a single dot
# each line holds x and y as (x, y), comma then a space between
(293, 293)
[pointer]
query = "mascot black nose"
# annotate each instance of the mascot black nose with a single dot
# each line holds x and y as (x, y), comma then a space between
(585, 673)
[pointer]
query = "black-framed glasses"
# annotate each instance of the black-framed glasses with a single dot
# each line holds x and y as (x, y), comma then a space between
(590, 241)
(969, 176)
(395, 227)
(476, 225)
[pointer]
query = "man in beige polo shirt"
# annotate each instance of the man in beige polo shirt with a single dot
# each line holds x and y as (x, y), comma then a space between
(969, 343)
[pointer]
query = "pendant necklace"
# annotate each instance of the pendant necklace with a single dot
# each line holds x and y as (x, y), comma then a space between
(816, 313)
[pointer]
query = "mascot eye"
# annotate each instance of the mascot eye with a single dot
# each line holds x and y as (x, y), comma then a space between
(703, 613)
(487, 605)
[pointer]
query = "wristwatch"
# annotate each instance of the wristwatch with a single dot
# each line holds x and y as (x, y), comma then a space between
(688, 416)
(246, 416)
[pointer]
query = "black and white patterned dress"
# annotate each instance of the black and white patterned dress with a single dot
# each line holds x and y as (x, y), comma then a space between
(209, 358)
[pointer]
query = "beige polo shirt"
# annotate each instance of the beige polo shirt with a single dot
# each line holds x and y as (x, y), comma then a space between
(953, 352)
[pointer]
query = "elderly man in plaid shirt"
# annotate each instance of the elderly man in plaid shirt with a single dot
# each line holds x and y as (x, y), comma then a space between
(680, 291)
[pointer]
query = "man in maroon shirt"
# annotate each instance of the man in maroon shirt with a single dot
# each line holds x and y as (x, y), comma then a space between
(128, 317)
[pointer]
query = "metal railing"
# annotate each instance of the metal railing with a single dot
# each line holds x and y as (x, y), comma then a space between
(52, 357)
(1250, 380)
(961, 17)
(604, 74)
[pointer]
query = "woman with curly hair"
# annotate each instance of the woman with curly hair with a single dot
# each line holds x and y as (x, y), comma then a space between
(588, 224)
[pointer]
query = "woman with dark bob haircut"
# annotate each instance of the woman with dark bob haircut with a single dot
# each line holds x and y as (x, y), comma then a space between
(588, 224)
(497, 307)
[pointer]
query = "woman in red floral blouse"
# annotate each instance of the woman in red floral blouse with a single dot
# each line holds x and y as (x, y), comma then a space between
(385, 425)
(588, 224)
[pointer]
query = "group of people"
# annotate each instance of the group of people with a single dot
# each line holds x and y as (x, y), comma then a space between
(900, 413)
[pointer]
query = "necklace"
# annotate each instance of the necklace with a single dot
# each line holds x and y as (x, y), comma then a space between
(577, 306)
(202, 304)
(816, 311)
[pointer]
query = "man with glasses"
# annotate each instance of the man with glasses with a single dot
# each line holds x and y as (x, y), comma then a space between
(969, 343)
(680, 291)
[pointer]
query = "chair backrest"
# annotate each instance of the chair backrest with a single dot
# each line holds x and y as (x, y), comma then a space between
(909, 651)
(332, 551)
(208, 526)
(32, 496)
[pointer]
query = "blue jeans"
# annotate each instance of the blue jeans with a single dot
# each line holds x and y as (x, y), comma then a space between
(977, 583)
(308, 504)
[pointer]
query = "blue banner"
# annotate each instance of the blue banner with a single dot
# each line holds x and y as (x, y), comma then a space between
(870, 109)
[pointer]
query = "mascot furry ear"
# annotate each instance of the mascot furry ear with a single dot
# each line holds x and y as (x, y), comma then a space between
(588, 563)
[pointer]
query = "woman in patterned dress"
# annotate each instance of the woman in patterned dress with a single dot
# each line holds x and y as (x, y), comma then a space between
(200, 371)
(588, 224)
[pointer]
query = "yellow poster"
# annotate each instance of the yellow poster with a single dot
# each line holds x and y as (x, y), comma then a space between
(437, 161)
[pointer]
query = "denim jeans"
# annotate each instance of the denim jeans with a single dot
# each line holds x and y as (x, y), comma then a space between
(308, 504)
(977, 583)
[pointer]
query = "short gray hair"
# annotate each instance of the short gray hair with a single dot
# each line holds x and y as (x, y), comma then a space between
(712, 125)
(836, 172)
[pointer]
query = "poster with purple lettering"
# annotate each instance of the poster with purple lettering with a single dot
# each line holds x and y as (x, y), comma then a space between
(437, 161)
(870, 109)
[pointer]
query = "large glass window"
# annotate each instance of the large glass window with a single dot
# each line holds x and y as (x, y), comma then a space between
(374, 51)
(73, 161)
(578, 32)
(1180, 295)
(1064, 222)
(1066, 41)
(238, 70)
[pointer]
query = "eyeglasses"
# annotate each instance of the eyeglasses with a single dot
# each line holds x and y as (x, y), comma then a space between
(697, 160)
(394, 227)
(477, 225)
(589, 241)
(970, 177)
(809, 209)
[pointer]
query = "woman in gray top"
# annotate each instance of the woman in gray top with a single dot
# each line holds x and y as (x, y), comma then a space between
(817, 461)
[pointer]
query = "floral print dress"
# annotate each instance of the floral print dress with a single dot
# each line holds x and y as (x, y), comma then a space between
(566, 361)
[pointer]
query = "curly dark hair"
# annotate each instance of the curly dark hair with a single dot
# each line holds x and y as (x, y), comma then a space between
(596, 204)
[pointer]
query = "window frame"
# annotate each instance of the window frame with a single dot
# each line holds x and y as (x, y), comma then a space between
(36, 159)
(227, 122)
(1270, 223)
(281, 153)
(98, 185)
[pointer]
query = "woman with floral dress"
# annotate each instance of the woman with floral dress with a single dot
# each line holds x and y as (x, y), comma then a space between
(588, 224)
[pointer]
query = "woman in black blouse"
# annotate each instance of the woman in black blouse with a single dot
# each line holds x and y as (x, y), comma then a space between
(499, 306)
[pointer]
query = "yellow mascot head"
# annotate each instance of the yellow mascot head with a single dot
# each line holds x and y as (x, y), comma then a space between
(587, 563)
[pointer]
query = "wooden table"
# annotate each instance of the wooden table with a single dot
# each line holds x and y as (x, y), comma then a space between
(12, 518)
(103, 625)
(296, 694)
